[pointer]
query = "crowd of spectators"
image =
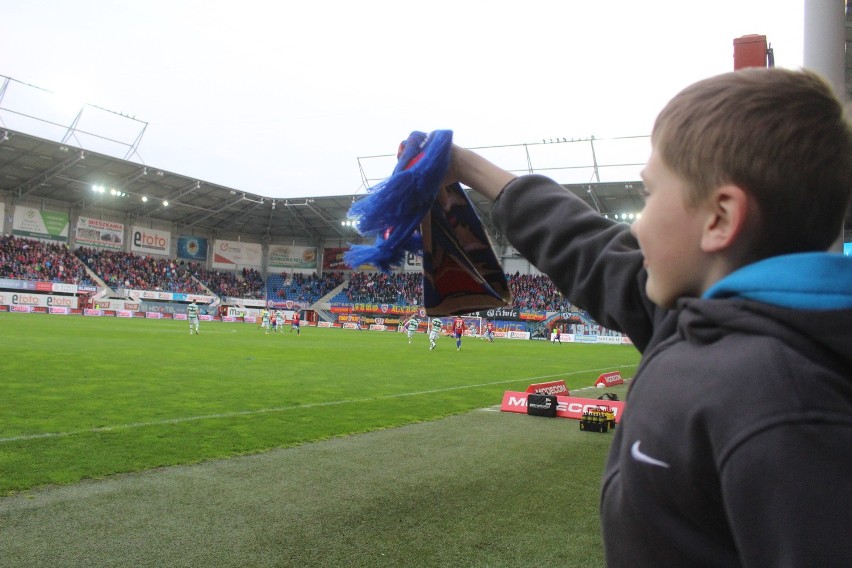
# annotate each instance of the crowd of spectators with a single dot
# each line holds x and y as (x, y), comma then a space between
(306, 289)
(536, 292)
(30, 259)
(400, 288)
(230, 284)
(124, 270)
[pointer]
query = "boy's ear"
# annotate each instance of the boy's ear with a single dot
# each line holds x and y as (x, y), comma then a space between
(727, 213)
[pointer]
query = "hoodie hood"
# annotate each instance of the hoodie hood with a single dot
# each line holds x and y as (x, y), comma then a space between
(806, 281)
(803, 300)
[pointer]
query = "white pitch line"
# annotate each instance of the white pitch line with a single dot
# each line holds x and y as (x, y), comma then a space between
(25, 437)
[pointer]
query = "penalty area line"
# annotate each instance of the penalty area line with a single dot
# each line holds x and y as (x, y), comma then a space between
(183, 419)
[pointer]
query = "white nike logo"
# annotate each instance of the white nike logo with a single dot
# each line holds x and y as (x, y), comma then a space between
(639, 456)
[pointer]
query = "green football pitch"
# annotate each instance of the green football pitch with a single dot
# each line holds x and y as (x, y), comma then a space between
(88, 397)
(382, 441)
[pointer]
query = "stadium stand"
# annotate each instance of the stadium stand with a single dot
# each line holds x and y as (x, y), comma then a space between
(30, 259)
(226, 283)
(301, 288)
(122, 270)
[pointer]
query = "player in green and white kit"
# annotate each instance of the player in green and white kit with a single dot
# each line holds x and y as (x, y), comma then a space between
(192, 316)
(411, 326)
(433, 333)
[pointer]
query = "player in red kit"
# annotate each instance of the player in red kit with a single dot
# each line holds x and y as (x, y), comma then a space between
(295, 324)
(458, 331)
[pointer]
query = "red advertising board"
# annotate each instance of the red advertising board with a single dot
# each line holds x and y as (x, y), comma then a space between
(552, 387)
(610, 379)
(566, 406)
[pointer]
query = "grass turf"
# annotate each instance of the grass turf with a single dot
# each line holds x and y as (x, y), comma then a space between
(88, 397)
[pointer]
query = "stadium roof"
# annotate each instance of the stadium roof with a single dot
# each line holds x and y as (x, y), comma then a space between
(34, 169)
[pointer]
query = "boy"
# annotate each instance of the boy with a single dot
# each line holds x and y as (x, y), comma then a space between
(736, 445)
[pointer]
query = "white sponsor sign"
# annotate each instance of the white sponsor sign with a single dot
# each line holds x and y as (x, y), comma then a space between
(232, 254)
(283, 257)
(413, 262)
(99, 233)
(150, 241)
(38, 300)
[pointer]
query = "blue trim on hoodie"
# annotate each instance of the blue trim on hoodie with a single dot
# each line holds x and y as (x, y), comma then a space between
(809, 281)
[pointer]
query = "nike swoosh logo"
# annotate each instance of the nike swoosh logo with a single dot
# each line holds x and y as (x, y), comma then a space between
(638, 455)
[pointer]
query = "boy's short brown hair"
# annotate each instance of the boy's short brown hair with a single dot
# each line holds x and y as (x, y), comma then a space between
(780, 135)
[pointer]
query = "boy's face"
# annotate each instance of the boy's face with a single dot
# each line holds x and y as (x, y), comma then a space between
(669, 234)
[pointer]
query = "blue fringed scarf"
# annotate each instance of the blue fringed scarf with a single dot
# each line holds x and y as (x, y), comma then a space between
(411, 212)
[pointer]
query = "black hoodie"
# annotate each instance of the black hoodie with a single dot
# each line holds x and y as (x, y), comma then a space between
(735, 448)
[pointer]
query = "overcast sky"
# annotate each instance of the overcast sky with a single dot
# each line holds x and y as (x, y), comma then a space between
(282, 98)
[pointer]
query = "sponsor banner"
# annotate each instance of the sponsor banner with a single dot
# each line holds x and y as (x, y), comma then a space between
(99, 233)
(232, 255)
(245, 302)
(38, 300)
(202, 317)
(192, 248)
(500, 313)
(153, 315)
(229, 319)
(22, 309)
(323, 324)
(86, 289)
(413, 262)
(577, 338)
(551, 387)
(530, 315)
(116, 305)
(284, 256)
(150, 241)
(518, 335)
(124, 314)
(180, 316)
(350, 326)
(332, 258)
(378, 327)
(17, 284)
(381, 309)
(62, 288)
(59, 311)
(30, 222)
(88, 312)
(566, 406)
(610, 379)
(284, 305)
